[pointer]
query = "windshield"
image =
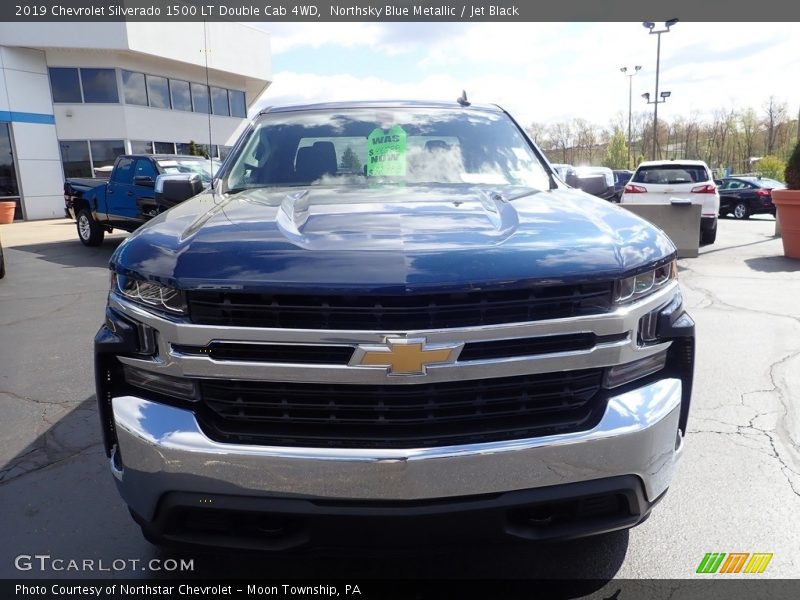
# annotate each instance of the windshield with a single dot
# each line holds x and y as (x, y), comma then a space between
(394, 145)
(202, 167)
(671, 174)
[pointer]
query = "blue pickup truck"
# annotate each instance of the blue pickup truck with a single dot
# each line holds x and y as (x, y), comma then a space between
(391, 322)
(127, 198)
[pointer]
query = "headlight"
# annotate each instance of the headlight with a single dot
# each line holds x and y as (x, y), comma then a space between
(643, 284)
(150, 294)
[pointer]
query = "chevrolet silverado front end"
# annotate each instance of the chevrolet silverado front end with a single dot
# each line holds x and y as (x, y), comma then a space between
(392, 313)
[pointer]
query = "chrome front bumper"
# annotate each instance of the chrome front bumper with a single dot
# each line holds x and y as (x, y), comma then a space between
(162, 449)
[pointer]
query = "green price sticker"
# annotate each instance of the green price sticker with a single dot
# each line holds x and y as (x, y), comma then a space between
(386, 155)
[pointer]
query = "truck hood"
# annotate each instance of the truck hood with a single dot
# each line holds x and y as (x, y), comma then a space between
(389, 239)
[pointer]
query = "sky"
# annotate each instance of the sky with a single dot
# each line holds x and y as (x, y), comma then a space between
(543, 72)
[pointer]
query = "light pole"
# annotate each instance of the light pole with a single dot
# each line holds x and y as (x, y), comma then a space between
(651, 26)
(624, 70)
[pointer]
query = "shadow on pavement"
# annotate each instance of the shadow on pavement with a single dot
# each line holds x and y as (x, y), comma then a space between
(757, 217)
(595, 560)
(69, 436)
(773, 264)
(71, 253)
(767, 238)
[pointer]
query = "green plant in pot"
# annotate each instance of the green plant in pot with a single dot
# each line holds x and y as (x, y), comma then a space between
(787, 203)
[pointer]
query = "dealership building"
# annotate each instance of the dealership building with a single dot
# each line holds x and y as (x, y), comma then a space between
(74, 96)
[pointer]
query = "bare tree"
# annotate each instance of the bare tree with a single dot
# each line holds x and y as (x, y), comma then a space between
(748, 121)
(693, 131)
(729, 138)
(642, 130)
(585, 140)
(563, 138)
(537, 132)
(775, 114)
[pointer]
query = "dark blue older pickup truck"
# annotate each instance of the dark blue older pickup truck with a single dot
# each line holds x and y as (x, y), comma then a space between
(127, 198)
(392, 314)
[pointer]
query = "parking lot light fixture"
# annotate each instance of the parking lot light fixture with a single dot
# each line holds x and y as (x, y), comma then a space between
(630, 76)
(651, 26)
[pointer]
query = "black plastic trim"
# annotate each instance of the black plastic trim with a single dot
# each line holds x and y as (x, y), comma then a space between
(281, 524)
(675, 324)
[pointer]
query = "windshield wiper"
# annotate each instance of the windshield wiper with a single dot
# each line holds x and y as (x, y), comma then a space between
(236, 190)
(524, 194)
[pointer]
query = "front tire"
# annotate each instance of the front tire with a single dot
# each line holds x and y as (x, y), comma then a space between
(741, 211)
(90, 232)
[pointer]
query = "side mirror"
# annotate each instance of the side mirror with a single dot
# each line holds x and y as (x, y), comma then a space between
(174, 188)
(571, 178)
(144, 180)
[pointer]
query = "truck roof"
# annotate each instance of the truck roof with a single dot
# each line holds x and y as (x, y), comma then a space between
(380, 104)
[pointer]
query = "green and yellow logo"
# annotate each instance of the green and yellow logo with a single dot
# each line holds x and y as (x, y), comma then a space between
(735, 562)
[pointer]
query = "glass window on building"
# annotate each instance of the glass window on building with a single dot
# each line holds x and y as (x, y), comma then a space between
(181, 94)
(8, 174)
(200, 98)
(164, 147)
(158, 91)
(99, 85)
(139, 147)
(9, 190)
(75, 158)
(187, 150)
(105, 152)
(133, 88)
(219, 101)
(65, 84)
(238, 107)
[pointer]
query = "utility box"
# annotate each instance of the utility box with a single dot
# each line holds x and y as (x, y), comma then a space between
(680, 220)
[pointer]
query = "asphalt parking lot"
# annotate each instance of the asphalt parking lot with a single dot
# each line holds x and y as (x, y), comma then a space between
(737, 490)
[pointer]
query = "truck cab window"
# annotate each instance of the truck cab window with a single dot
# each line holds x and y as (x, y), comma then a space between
(123, 173)
(145, 168)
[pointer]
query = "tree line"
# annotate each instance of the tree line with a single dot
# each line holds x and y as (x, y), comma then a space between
(742, 140)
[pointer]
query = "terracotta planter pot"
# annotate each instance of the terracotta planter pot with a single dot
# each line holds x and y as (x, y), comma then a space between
(787, 203)
(7, 212)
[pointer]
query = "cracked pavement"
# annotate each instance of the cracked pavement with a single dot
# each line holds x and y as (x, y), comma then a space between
(737, 487)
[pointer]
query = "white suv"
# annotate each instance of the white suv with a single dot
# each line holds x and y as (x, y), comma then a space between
(660, 181)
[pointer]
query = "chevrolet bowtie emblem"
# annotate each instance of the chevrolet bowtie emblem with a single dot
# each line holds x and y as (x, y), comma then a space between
(405, 356)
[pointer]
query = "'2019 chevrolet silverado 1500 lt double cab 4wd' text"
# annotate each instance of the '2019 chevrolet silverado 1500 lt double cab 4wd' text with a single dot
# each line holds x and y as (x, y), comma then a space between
(392, 313)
